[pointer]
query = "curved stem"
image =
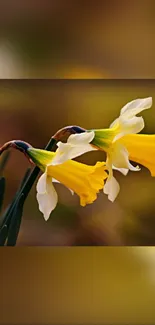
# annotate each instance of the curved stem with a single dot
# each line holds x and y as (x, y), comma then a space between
(16, 144)
(68, 130)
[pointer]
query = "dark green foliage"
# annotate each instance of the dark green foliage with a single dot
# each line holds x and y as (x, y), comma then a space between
(10, 221)
(2, 190)
(14, 225)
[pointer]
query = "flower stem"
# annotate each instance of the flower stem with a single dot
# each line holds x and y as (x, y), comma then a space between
(11, 233)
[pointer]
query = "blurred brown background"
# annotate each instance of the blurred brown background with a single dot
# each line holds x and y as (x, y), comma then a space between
(84, 285)
(77, 39)
(33, 111)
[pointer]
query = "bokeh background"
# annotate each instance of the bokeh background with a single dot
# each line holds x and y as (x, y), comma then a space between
(33, 111)
(77, 285)
(77, 39)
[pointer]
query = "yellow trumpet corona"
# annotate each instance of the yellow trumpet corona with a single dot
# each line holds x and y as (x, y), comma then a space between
(86, 181)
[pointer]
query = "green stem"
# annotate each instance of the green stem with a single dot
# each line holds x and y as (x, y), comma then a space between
(23, 191)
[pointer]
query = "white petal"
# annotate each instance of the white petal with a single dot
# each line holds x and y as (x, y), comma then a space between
(72, 192)
(127, 122)
(129, 126)
(41, 184)
(115, 122)
(111, 188)
(70, 152)
(77, 144)
(56, 181)
(120, 158)
(124, 171)
(81, 138)
(62, 154)
(48, 200)
(136, 106)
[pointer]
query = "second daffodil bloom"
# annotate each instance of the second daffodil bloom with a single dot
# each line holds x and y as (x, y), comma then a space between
(120, 142)
(86, 181)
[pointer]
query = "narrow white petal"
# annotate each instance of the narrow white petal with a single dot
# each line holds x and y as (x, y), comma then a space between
(133, 168)
(80, 150)
(81, 138)
(72, 192)
(48, 200)
(56, 181)
(124, 171)
(72, 153)
(120, 158)
(136, 106)
(41, 184)
(111, 188)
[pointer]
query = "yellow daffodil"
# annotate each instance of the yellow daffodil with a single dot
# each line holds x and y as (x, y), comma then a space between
(141, 148)
(120, 142)
(86, 181)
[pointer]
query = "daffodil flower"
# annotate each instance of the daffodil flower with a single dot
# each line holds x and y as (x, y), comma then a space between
(120, 142)
(86, 181)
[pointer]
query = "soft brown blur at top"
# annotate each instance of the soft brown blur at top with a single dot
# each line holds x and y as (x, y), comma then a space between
(77, 39)
(33, 111)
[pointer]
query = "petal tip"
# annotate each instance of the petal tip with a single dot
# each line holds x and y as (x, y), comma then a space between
(46, 217)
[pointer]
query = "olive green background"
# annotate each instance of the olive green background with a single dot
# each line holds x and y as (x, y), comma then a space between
(77, 39)
(77, 285)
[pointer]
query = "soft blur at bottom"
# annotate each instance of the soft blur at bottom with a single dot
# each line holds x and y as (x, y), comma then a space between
(77, 285)
(33, 111)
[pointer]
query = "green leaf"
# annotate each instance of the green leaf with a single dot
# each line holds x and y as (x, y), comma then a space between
(2, 190)
(14, 225)
(3, 235)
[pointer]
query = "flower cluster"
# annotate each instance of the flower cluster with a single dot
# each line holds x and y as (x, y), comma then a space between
(121, 143)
